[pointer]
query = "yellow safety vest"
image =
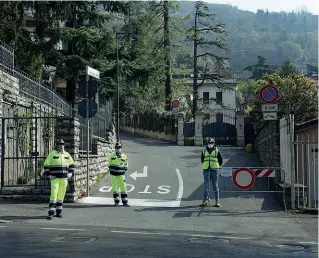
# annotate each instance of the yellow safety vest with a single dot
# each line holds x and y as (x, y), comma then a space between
(59, 164)
(118, 165)
(210, 160)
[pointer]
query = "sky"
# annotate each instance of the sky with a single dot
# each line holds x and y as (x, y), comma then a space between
(311, 6)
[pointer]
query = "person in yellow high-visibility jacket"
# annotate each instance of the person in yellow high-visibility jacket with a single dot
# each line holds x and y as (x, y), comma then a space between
(118, 165)
(59, 167)
(212, 160)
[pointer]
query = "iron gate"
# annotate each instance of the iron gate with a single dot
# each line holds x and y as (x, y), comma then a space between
(26, 142)
(189, 133)
(220, 126)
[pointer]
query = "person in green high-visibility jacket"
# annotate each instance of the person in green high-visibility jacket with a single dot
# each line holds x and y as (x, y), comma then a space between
(118, 165)
(211, 159)
(59, 167)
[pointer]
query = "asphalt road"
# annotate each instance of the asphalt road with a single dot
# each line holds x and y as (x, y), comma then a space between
(39, 242)
(164, 219)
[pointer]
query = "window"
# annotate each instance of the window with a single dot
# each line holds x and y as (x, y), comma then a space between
(219, 97)
(206, 97)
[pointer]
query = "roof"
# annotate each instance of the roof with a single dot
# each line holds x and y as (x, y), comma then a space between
(307, 124)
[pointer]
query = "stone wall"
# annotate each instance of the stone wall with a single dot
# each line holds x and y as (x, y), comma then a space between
(267, 145)
(66, 127)
(69, 130)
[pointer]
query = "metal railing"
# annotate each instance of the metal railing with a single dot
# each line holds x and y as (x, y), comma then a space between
(100, 124)
(306, 171)
(29, 86)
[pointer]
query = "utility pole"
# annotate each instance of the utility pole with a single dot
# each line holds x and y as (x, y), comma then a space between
(168, 88)
(118, 91)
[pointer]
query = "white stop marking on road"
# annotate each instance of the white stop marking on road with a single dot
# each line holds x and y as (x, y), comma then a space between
(108, 189)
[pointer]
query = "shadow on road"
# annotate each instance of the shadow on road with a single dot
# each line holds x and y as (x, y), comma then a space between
(14, 218)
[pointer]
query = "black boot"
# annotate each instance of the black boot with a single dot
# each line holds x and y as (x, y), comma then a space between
(59, 214)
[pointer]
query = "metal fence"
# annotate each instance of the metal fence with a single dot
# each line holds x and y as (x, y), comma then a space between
(29, 86)
(306, 171)
(100, 124)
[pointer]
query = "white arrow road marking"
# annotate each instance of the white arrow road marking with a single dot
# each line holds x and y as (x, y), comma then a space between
(136, 175)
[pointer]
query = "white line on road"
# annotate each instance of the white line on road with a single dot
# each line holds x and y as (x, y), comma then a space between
(3, 226)
(226, 237)
(180, 186)
(132, 202)
(308, 243)
(64, 229)
(141, 233)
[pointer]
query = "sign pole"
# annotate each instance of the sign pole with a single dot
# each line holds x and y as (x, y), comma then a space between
(88, 132)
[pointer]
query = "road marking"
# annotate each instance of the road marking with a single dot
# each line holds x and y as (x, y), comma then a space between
(180, 186)
(308, 243)
(163, 188)
(136, 175)
(132, 202)
(226, 237)
(64, 229)
(146, 189)
(141, 233)
(3, 226)
(108, 189)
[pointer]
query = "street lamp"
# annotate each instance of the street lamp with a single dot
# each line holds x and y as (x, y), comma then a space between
(118, 87)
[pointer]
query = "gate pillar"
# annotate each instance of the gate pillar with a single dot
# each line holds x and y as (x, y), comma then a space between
(180, 130)
(240, 124)
(198, 139)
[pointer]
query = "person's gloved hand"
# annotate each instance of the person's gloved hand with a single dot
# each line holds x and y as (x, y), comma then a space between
(51, 177)
(69, 175)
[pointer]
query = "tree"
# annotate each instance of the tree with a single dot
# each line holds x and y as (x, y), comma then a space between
(287, 69)
(294, 91)
(261, 68)
(204, 25)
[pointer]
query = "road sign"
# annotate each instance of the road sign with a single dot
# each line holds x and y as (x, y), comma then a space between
(269, 107)
(175, 103)
(269, 94)
(270, 116)
(175, 111)
(92, 108)
(93, 72)
(243, 178)
(92, 87)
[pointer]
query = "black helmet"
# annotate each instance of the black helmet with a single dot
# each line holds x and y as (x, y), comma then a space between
(60, 141)
(118, 145)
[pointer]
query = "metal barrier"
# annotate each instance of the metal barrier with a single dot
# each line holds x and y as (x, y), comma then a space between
(249, 179)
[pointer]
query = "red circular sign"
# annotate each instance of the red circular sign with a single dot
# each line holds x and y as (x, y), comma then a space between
(175, 103)
(269, 94)
(243, 178)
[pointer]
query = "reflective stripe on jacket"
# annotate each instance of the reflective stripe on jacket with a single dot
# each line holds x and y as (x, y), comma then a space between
(118, 164)
(59, 164)
(210, 159)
